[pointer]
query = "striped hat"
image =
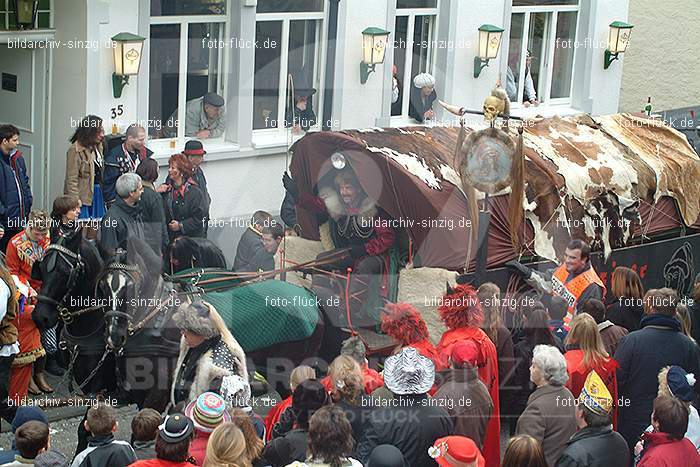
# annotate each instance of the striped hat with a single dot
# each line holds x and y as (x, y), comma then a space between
(208, 412)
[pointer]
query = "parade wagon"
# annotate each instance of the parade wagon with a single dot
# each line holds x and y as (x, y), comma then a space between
(626, 184)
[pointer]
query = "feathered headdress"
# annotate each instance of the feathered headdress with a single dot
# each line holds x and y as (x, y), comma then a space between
(403, 322)
(460, 307)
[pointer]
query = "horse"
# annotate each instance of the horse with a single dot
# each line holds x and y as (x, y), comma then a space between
(68, 271)
(275, 361)
(189, 252)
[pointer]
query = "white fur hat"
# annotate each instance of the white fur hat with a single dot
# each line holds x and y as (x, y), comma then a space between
(424, 79)
(194, 317)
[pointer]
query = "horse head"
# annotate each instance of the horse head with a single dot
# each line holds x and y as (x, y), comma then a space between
(190, 252)
(128, 287)
(64, 270)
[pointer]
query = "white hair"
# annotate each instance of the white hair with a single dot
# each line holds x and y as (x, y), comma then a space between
(552, 363)
(127, 184)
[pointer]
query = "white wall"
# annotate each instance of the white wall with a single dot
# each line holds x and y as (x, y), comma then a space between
(358, 105)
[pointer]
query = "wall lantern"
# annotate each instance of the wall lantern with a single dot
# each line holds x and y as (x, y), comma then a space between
(25, 13)
(127, 49)
(489, 43)
(373, 50)
(618, 40)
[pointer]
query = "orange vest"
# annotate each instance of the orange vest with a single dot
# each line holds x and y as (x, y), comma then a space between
(572, 290)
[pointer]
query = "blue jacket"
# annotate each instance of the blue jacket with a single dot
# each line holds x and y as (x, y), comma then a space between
(15, 193)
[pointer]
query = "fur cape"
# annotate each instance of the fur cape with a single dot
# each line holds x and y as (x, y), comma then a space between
(207, 370)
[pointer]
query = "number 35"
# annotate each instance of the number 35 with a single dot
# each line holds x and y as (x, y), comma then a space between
(117, 111)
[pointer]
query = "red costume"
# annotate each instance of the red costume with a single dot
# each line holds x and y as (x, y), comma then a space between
(578, 374)
(22, 252)
(403, 322)
(463, 316)
(273, 416)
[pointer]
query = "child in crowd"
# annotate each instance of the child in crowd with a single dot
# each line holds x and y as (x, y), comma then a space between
(557, 309)
(31, 439)
(144, 430)
(103, 449)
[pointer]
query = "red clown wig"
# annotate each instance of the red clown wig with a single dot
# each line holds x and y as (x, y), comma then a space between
(460, 308)
(403, 322)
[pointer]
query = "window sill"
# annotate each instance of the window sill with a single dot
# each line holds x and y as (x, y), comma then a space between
(544, 110)
(402, 121)
(162, 149)
(275, 139)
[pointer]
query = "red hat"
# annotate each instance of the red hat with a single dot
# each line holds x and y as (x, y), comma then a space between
(456, 451)
(465, 352)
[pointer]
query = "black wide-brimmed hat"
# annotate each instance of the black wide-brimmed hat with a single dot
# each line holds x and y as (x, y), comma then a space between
(194, 148)
(175, 428)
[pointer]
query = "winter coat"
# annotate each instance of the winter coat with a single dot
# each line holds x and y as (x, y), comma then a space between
(203, 368)
(288, 211)
(289, 448)
(15, 193)
(105, 451)
(198, 446)
(641, 355)
(81, 174)
(119, 223)
(416, 106)
(695, 320)
(153, 216)
(250, 253)
(412, 427)
(626, 312)
(550, 418)
(467, 401)
(660, 450)
(186, 205)
(611, 335)
(595, 447)
(118, 162)
(144, 449)
(358, 415)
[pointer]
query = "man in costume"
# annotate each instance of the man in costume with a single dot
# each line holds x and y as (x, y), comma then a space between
(462, 314)
(209, 354)
(358, 227)
(574, 280)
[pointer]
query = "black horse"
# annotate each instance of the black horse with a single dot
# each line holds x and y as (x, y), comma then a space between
(139, 326)
(69, 272)
(188, 252)
(275, 362)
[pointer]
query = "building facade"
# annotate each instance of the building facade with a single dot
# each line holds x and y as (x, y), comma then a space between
(246, 50)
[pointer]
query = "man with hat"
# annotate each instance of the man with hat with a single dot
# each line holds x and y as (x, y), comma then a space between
(302, 116)
(462, 384)
(207, 412)
(595, 444)
(208, 352)
(456, 451)
(411, 422)
(172, 443)
(204, 118)
(195, 154)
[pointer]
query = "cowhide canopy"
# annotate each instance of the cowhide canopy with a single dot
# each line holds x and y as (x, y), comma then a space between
(586, 177)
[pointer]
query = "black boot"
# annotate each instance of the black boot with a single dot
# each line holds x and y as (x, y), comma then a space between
(52, 366)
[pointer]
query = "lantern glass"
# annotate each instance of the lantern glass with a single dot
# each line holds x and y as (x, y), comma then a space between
(374, 45)
(25, 11)
(489, 41)
(367, 49)
(619, 37)
(131, 54)
(118, 58)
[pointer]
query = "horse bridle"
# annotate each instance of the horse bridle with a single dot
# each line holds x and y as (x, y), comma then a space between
(77, 267)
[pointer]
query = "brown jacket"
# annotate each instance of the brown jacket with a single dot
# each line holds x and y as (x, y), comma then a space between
(611, 335)
(467, 401)
(550, 417)
(8, 331)
(80, 172)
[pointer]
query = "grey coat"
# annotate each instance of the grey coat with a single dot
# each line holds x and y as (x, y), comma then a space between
(550, 417)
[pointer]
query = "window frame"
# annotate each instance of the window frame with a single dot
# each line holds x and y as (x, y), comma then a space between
(269, 137)
(548, 67)
(184, 22)
(6, 7)
(407, 82)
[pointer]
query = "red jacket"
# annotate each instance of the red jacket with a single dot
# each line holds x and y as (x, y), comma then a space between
(578, 374)
(660, 450)
(488, 374)
(198, 447)
(273, 416)
(159, 463)
(21, 256)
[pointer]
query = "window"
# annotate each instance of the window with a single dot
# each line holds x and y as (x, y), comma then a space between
(541, 51)
(186, 62)
(288, 56)
(8, 20)
(414, 35)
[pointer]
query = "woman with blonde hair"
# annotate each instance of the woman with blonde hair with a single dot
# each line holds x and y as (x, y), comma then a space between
(226, 448)
(253, 445)
(627, 307)
(585, 352)
(683, 316)
(347, 392)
